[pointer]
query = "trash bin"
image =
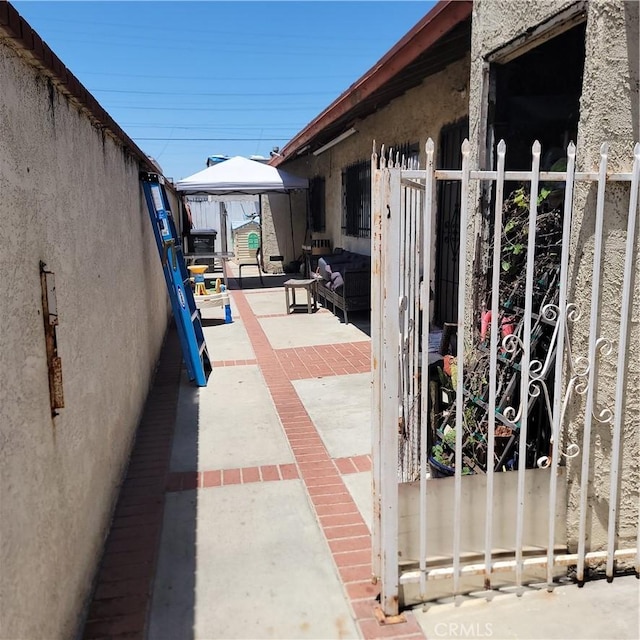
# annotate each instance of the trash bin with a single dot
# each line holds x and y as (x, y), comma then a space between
(203, 241)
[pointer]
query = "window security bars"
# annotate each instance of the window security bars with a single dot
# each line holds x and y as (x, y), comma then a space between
(317, 204)
(356, 189)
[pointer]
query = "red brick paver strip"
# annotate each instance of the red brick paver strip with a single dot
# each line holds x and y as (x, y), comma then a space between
(232, 363)
(186, 480)
(325, 360)
(354, 464)
(121, 598)
(346, 532)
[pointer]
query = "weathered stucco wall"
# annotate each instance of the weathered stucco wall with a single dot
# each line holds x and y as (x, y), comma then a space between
(608, 113)
(284, 224)
(70, 198)
(420, 113)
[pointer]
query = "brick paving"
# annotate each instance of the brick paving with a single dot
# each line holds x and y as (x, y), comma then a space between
(330, 498)
(325, 360)
(233, 363)
(122, 596)
(121, 601)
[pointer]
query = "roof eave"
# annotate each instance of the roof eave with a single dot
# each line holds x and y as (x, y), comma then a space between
(439, 21)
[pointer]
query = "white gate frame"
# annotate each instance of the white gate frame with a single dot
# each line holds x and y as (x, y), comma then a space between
(394, 296)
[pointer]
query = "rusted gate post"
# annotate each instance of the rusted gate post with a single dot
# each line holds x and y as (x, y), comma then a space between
(385, 331)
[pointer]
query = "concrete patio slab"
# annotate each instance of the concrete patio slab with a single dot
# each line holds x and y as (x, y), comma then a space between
(226, 341)
(270, 302)
(273, 578)
(359, 485)
(231, 423)
(346, 428)
(304, 329)
(567, 612)
(283, 551)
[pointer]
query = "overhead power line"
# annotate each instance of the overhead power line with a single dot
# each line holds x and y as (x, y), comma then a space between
(176, 46)
(210, 78)
(235, 109)
(216, 93)
(209, 127)
(211, 139)
(210, 33)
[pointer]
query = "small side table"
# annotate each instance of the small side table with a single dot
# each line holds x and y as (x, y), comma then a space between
(308, 285)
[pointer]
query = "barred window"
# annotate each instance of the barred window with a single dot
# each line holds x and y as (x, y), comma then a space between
(316, 204)
(408, 151)
(356, 200)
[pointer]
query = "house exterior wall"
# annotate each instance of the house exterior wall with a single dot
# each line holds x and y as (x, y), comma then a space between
(71, 198)
(284, 224)
(608, 113)
(420, 113)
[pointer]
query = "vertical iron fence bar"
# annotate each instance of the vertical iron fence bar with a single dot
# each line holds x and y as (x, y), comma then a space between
(377, 265)
(561, 319)
(390, 392)
(622, 353)
(426, 308)
(594, 324)
(403, 451)
(405, 322)
(409, 248)
(416, 319)
(526, 356)
(412, 331)
(493, 363)
(457, 518)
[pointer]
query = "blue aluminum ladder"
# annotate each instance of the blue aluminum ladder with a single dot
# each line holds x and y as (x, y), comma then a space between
(185, 312)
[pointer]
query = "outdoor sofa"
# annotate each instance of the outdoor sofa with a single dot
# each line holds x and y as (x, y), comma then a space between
(344, 282)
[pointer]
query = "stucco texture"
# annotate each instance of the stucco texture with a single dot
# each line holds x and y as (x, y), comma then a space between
(420, 113)
(283, 228)
(608, 113)
(71, 199)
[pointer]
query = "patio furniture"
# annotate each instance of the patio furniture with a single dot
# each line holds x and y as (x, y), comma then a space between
(309, 285)
(256, 263)
(344, 280)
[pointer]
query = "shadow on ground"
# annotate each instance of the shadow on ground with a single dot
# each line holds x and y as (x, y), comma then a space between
(212, 322)
(253, 281)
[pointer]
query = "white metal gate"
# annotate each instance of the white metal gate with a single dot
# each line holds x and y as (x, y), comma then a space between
(535, 373)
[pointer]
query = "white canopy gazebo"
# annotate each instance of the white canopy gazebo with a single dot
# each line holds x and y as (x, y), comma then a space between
(239, 178)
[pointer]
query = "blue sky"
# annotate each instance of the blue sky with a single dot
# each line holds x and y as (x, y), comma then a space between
(235, 78)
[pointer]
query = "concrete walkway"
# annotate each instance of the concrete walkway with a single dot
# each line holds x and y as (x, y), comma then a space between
(247, 509)
(264, 530)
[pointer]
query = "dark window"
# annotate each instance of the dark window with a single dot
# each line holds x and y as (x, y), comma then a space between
(448, 224)
(537, 97)
(407, 154)
(356, 199)
(316, 204)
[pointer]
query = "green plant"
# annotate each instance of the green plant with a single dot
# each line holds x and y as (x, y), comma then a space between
(514, 247)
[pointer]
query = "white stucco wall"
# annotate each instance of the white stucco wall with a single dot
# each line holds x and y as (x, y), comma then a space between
(70, 197)
(608, 113)
(420, 113)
